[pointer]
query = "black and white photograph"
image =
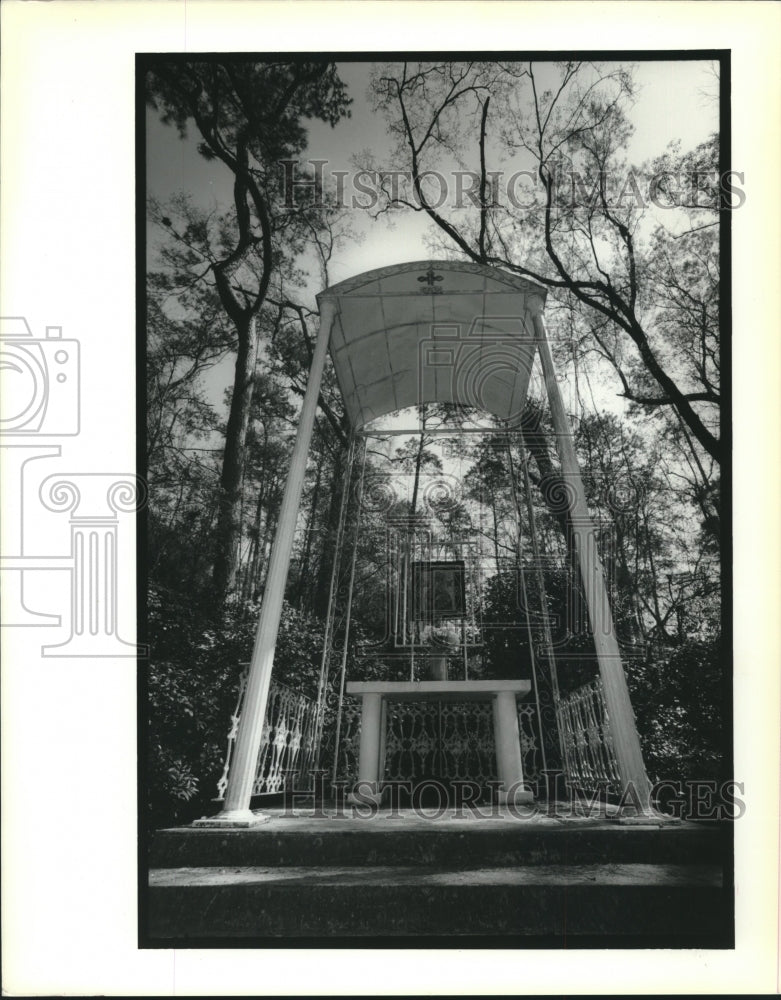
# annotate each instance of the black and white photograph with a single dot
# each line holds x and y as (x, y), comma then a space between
(437, 424)
(390, 537)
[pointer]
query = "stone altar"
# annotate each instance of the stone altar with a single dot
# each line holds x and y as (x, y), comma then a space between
(503, 695)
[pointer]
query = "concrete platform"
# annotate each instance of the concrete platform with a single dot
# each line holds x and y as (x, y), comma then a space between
(453, 839)
(451, 878)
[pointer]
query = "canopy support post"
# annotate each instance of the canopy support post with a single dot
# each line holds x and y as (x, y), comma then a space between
(635, 786)
(236, 811)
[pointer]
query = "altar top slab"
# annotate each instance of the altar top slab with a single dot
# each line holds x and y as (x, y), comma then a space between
(432, 690)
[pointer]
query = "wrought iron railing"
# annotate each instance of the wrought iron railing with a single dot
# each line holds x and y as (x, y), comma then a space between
(590, 763)
(460, 733)
(288, 740)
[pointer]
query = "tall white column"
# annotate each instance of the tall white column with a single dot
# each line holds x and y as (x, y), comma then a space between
(372, 719)
(509, 765)
(253, 712)
(623, 729)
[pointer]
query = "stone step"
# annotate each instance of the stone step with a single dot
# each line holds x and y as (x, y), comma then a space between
(645, 901)
(447, 842)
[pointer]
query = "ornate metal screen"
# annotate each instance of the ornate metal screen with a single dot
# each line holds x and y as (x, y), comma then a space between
(589, 758)
(452, 739)
(288, 741)
(530, 742)
(446, 740)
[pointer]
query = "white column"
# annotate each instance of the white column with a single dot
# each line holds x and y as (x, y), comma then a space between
(253, 712)
(626, 742)
(372, 717)
(383, 740)
(508, 748)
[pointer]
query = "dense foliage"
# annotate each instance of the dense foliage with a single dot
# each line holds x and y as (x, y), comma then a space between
(193, 685)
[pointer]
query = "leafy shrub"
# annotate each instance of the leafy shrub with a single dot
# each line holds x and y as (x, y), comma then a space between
(678, 697)
(192, 685)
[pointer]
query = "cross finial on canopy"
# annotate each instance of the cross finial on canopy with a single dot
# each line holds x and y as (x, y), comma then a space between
(430, 278)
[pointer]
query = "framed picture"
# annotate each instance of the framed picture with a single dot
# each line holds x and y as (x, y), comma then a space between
(438, 590)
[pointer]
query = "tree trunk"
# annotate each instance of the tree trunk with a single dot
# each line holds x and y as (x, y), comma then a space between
(229, 521)
(496, 535)
(328, 545)
(254, 556)
(551, 484)
(418, 462)
(303, 573)
(627, 585)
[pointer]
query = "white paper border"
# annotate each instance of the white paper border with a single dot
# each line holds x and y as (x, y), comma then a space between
(69, 729)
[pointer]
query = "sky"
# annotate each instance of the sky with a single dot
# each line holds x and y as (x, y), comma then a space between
(675, 100)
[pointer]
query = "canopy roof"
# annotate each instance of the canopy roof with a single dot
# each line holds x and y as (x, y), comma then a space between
(433, 332)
